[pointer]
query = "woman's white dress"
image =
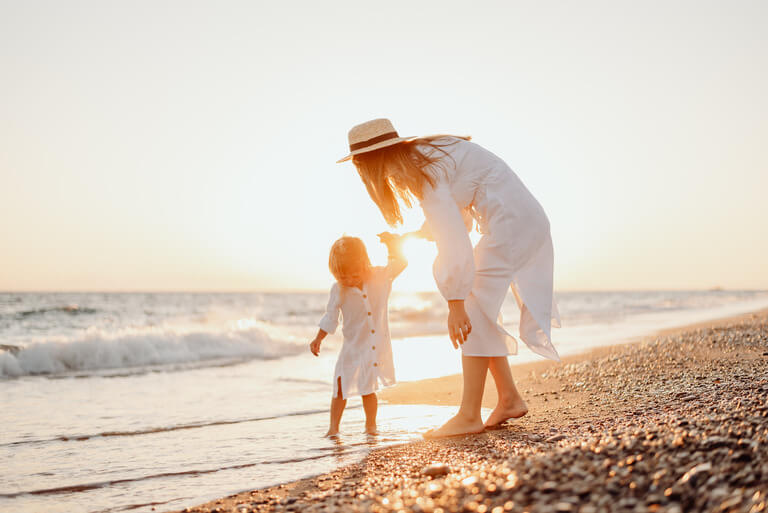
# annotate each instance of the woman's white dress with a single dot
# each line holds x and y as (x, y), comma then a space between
(365, 359)
(515, 249)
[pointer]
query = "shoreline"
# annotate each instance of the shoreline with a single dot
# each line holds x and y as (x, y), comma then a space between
(446, 390)
(682, 371)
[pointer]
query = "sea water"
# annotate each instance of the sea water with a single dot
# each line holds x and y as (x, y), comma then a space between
(128, 402)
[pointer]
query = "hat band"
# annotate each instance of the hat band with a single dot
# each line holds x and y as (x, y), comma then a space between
(375, 140)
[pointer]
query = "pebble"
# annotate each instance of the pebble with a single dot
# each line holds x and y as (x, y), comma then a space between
(549, 486)
(667, 429)
(436, 469)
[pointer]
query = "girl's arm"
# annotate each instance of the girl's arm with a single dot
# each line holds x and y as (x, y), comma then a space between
(330, 320)
(314, 346)
(396, 261)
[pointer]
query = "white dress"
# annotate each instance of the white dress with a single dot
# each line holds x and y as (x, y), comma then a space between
(515, 249)
(365, 359)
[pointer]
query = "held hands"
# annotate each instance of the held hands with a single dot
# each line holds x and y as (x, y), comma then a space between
(314, 346)
(459, 325)
(394, 241)
(391, 240)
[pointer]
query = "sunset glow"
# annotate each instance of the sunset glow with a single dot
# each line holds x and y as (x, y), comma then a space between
(180, 160)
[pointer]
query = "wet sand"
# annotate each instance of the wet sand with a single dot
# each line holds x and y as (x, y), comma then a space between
(676, 422)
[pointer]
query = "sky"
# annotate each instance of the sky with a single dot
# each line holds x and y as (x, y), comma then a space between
(186, 145)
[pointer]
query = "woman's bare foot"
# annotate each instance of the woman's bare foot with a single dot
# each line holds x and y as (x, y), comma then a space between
(458, 425)
(507, 410)
(332, 432)
(371, 430)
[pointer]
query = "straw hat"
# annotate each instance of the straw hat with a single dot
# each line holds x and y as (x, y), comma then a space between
(372, 135)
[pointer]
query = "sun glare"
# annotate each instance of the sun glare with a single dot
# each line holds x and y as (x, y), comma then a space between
(418, 275)
(414, 249)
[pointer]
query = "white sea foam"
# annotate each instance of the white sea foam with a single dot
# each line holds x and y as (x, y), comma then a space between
(98, 349)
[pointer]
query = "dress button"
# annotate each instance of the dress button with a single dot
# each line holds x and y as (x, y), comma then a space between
(369, 313)
(375, 364)
(373, 331)
(373, 347)
(364, 295)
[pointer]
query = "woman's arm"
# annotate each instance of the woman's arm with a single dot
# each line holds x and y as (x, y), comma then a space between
(454, 267)
(425, 232)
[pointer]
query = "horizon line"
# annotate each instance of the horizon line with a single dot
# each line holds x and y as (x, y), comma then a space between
(320, 290)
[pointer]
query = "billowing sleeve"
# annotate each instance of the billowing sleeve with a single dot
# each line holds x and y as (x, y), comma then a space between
(426, 232)
(454, 267)
(330, 320)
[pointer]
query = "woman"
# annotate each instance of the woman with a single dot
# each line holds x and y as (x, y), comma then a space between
(456, 181)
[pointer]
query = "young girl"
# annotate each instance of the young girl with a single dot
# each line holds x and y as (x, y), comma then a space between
(360, 294)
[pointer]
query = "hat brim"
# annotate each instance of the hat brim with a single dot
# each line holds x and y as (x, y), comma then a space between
(377, 146)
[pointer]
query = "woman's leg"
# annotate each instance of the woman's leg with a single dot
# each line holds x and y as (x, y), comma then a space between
(338, 403)
(370, 405)
(510, 404)
(468, 420)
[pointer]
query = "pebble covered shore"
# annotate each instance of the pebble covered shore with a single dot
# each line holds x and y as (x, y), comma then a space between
(671, 424)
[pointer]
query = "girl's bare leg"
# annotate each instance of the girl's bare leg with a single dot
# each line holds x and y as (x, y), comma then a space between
(338, 403)
(510, 404)
(370, 405)
(468, 420)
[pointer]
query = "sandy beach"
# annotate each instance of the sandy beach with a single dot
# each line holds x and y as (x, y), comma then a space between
(675, 422)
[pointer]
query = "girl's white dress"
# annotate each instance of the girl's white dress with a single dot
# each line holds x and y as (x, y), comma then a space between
(515, 249)
(365, 358)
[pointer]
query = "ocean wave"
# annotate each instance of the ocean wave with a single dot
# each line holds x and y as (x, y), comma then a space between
(65, 309)
(99, 350)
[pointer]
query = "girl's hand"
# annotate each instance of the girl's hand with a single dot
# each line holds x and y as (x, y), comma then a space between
(314, 346)
(459, 325)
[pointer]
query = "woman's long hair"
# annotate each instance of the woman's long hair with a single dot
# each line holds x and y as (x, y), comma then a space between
(397, 173)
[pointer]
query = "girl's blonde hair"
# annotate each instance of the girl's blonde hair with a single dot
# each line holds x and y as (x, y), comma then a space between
(397, 173)
(348, 253)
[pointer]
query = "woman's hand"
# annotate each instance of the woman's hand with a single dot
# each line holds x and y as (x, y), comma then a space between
(459, 325)
(314, 346)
